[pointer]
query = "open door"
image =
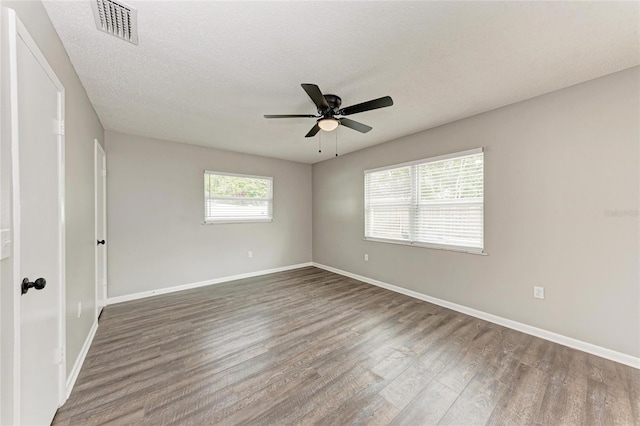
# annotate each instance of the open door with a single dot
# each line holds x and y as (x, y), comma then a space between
(101, 226)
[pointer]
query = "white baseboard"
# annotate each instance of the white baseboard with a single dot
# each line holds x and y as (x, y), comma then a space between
(145, 294)
(71, 379)
(612, 355)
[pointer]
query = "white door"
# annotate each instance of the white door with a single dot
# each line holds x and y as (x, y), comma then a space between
(38, 179)
(101, 226)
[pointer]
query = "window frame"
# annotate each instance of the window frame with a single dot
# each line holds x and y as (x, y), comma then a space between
(269, 200)
(414, 202)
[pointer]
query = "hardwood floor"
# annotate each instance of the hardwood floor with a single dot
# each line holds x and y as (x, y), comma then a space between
(312, 347)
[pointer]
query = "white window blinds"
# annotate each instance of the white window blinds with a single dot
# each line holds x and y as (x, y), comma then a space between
(237, 198)
(431, 202)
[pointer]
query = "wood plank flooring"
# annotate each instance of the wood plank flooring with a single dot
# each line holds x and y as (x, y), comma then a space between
(312, 347)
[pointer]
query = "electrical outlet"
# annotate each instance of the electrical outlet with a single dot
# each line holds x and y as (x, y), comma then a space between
(538, 292)
(79, 309)
(366, 257)
(250, 254)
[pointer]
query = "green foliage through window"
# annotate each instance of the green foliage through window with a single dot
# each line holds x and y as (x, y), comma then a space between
(236, 186)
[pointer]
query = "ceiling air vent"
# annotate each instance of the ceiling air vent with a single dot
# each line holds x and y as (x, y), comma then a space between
(116, 18)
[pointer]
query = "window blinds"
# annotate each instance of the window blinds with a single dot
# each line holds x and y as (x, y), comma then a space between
(437, 201)
(237, 198)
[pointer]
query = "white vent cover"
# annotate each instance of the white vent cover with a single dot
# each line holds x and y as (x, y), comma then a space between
(116, 18)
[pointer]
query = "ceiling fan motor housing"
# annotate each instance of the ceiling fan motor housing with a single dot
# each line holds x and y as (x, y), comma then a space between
(334, 102)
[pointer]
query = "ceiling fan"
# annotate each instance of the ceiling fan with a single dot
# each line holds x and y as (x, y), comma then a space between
(329, 107)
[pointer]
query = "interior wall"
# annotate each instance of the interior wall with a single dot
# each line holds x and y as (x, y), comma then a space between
(155, 232)
(6, 360)
(81, 127)
(562, 183)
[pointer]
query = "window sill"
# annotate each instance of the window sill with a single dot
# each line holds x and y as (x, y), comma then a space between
(457, 249)
(229, 221)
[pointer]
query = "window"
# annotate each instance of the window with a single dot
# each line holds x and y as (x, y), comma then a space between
(435, 202)
(237, 198)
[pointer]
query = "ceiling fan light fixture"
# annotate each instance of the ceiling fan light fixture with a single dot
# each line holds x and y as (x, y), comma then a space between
(328, 124)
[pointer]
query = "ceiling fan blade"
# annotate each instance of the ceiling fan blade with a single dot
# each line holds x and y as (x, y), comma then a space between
(362, 128)
(385, 101)
(313, 131)
(290, 116)
(316, 96)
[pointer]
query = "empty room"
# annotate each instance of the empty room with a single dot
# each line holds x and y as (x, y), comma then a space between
(316, 212)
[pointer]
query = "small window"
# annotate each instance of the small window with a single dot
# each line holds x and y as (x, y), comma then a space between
(237, 198)
(435, 202)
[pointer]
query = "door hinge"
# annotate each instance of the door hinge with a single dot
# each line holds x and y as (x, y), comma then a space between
(60, 355)
(61, 127)
(104, 173)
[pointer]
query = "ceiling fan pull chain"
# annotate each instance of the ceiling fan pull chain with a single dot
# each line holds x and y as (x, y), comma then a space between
(319, 141)
(336, 142)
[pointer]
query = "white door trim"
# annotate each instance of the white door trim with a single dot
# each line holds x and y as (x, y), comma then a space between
(17, 30)
(99, 284)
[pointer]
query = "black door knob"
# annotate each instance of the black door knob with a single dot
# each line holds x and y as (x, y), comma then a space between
(101, 242)
(38, 284)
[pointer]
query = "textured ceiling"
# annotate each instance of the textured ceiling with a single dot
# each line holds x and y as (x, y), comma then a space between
(206, 72)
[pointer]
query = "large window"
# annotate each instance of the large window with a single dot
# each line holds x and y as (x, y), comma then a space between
(237, 198)
(435, 202)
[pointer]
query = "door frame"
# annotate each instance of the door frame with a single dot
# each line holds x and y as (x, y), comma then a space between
(98, 149)
(16, 30)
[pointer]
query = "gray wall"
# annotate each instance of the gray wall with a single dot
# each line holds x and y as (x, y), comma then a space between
(82, 126)
(553, 166)
(156, 238)
(6, 336)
